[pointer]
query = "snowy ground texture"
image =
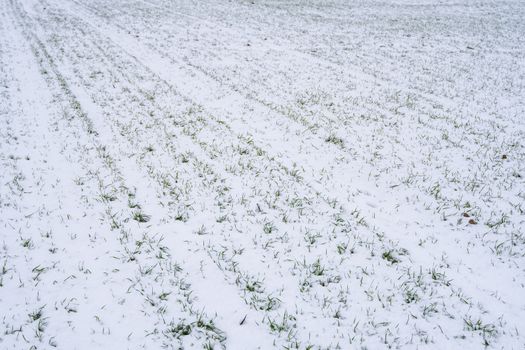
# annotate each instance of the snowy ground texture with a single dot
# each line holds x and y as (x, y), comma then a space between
(262, 174)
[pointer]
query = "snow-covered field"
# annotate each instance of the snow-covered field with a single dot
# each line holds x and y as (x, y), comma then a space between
(262, 174)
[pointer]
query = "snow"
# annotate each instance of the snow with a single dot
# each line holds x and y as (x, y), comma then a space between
(262, 174)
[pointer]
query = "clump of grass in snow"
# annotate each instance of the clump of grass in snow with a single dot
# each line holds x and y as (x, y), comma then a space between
(332, 138)
(140, 216)
(389, 256)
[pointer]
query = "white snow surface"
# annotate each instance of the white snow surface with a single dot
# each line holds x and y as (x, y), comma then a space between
(266, 174)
